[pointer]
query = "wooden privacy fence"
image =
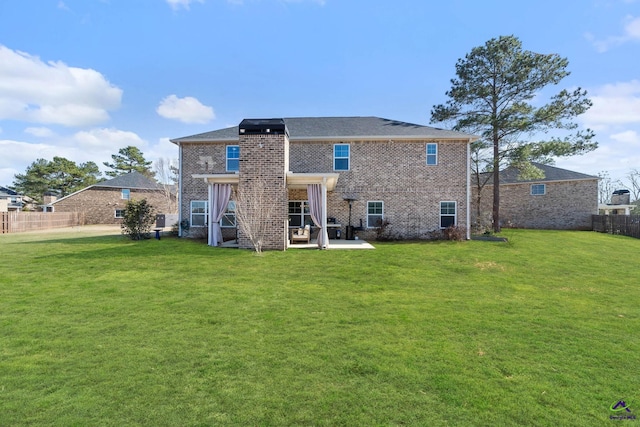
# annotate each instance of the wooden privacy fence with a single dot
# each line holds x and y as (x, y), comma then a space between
(627, 225)
(16, 222)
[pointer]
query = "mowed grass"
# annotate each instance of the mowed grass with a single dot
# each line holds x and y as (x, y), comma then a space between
(102, 331)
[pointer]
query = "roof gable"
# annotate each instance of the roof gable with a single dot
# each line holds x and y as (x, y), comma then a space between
(133, 180)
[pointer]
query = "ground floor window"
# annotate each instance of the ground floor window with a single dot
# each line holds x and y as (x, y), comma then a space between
(119, 213)
(199, 210)
(447, 214)
(299, 214)
(375, 214)
(229, 216)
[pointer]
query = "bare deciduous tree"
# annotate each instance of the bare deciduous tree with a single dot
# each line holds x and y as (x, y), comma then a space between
(167, 174)
(254, 212)
(634, 180)
(606, 187)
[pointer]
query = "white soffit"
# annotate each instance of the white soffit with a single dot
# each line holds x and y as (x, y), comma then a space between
(301, 180)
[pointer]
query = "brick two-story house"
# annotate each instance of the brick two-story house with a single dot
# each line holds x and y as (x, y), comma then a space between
(353, 172)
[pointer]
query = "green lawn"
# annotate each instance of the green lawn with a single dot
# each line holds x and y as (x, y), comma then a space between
(102, 331)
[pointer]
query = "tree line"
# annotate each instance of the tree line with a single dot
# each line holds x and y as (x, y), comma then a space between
(61, 177)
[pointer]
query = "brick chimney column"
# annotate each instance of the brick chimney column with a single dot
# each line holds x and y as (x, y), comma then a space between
(264, 153)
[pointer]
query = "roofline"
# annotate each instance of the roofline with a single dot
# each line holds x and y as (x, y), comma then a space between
(68, 195)
(544, 181)
(101, 186)
(470, 138)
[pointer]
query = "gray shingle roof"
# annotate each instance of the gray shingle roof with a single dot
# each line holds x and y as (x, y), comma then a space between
(4, 191)
(551, 173)
(301, 128)
(133, 180)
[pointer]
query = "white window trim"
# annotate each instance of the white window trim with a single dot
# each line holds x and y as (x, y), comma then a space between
(206, 213)
(426, 152)
(440, 214)
(301, 214)
(336, 158)
(381, 215)
(226, 155)
(115, 213)
(544, 189)
(122, 191)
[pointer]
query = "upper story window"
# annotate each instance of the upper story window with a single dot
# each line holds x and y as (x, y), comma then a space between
(432, 154)
(538, 189)
(233, 158)
(341, 157)
(375, 214)
(125, 194)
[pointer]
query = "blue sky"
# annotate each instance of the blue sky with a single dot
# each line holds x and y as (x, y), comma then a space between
(83, 78)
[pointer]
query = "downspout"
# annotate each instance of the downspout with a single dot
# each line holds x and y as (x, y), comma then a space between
(469, 190)
(179, 190)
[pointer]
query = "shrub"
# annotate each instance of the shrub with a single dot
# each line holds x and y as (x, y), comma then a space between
(454, 233)
(384, 233)
(138, 219)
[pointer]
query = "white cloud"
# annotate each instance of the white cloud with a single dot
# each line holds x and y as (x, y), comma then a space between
(164, 148)
(627, 137)
(107, 140)
(184, 4)
(53, 93)
(95, 145)
(41, 132)
(630, 32)
(187, 110)
(614, 104)
(615, 116)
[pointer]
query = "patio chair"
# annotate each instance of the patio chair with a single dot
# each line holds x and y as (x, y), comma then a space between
(301, 234)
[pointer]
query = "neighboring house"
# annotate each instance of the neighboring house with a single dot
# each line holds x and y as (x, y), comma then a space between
(365, 170)
(105, 202)
(620, 204)
(563, 199)
(11, 201)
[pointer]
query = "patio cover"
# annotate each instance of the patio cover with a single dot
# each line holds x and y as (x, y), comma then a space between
(326, 182)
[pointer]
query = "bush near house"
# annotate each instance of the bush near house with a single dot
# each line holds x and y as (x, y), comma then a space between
(139, 217)
(541, 330)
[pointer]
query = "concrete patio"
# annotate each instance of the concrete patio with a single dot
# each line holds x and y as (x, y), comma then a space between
(333, 244)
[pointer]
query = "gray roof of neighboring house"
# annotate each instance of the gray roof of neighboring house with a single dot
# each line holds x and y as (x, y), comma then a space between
(313, 128)
(4, 191)
(130, 180)
(551, 173)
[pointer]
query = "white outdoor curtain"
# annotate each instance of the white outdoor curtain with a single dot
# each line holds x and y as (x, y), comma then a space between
(219, 195)
(317, 209)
